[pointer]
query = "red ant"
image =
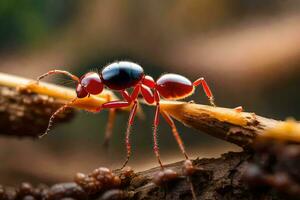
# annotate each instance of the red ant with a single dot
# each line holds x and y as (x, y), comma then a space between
(123, 75)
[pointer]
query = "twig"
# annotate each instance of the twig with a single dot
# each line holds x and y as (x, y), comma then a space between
(25, 107)
(43, 99)
(61, 93)
(27, 115)
(240, 128)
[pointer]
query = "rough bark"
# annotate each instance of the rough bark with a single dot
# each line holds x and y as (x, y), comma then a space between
(219, 178)
(25, 114)
(240, 128)
(216, 178)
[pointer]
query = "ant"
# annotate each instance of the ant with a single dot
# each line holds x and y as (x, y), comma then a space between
(122, 75)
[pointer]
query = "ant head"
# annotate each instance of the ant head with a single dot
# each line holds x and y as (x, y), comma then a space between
(90, 83)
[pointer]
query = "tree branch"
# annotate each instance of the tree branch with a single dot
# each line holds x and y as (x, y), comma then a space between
(27, 115)
(26, 107)
(240, 128)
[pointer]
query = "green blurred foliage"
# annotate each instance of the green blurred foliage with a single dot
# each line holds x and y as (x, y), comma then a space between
(25, 22)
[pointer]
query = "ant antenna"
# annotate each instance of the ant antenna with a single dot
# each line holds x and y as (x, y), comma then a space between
(59, 110)
(55, 71)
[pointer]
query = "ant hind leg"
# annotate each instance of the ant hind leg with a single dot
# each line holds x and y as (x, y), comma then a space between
(175, 133)
(206, 89)
(188, 166)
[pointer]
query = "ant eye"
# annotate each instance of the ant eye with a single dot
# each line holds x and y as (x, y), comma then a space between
(80, 91)
(92, 83)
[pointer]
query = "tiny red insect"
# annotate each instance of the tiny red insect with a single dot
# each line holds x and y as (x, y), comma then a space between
(122, 75)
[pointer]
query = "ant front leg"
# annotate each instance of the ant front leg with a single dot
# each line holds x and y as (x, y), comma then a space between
(128, 99)
(109, 127)
(118, 104)
(128, 131)
(110, 124)
(59, 110)
(206, 89)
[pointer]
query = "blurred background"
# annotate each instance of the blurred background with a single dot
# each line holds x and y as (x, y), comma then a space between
(248, 51)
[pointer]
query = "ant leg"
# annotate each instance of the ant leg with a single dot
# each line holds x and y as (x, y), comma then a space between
(148, 83)
(128, 99)
(133, 97)
(109, 127)
(188, 170)
(59, 110)
(188, 163)
(156, 122)
(147, 94)
(117, 104)
(175, 133)
(55, 71)
(127, 137)
(112, 113)
(206, 89)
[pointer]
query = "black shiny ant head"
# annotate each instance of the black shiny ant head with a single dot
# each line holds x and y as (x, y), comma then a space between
(89, 83)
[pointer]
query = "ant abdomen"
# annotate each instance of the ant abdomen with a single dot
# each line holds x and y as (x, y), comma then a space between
(174, 86)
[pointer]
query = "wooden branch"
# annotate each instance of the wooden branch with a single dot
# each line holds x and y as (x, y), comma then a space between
(56, 92)
(43, 99)
(240, 128)
(26, 107)
(27, 115)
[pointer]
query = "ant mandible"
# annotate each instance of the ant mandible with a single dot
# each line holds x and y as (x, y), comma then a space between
(122, 75)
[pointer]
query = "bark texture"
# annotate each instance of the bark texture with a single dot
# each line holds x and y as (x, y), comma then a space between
(219, 178)
(27, 115)
(240, 128)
